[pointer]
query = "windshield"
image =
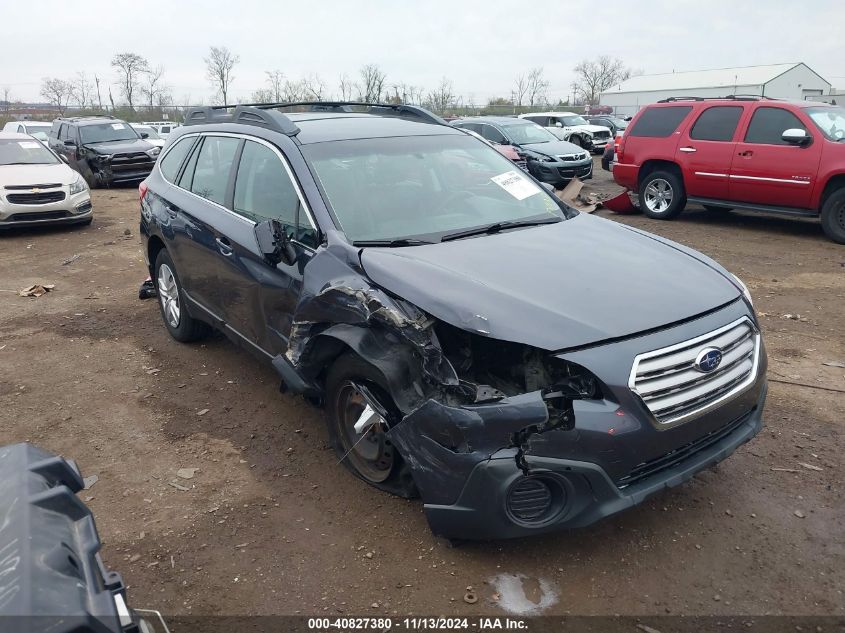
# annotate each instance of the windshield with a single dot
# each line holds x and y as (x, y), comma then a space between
(574, 120)
(526, 133)
(423, 187)
(831, 121)
(150, 132)
(25, 152)
(104, 132)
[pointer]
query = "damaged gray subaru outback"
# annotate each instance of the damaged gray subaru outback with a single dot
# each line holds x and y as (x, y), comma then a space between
(518, 365)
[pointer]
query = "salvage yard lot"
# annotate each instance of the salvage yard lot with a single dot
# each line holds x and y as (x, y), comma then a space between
(270, 523)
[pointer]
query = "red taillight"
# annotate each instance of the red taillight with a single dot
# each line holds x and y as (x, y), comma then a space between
(142, 190)
(620, 147)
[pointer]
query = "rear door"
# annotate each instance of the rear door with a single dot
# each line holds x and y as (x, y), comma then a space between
(706, 150)
(196, 215)
(768, 170)
(258, 299)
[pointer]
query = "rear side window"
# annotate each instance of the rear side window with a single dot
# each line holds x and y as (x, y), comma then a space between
(768, 125)
(171, 162)
(492, 134)
(660, 122)
(213, 164)
(716, 124)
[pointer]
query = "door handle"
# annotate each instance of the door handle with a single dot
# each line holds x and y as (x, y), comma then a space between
(224, 246)
(171, 211)
(688, 150)
(746, 153)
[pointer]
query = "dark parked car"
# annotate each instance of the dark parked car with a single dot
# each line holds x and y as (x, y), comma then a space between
(105, 150)
(548, 158)
(614, 124)
(520, 366)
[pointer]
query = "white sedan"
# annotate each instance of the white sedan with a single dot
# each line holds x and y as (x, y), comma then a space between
(37, 188)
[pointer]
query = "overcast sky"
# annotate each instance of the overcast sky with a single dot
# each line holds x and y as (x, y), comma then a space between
(481, 45)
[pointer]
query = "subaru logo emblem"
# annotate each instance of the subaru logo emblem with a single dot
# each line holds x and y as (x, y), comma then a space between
(708, 359)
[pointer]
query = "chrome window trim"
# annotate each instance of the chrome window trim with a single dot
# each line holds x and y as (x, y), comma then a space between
(736, 391)
(245, 137)
(761, 178)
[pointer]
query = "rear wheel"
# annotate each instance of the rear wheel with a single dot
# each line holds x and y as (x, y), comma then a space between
(368, 452)
(662, 195)
(833, 216)
(176, 319)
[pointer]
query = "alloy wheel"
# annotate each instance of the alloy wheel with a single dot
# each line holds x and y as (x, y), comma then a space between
(658, 195)
(369, 451)
(168, 293)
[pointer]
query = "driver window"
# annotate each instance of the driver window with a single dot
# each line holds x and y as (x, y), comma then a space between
(492, 134)
(264, 191)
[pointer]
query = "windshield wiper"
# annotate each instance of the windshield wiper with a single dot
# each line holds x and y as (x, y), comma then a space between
(496, 227)
(404, 241)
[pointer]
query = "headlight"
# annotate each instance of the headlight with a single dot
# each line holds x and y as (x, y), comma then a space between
(744, 288)
(547, 159)
(104, 157)
(153, 152)
(78, 186)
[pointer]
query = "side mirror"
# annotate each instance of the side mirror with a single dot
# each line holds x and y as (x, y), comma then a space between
(70, 142)
(274, 243)
(796, 136)
(558, 124)
(145, 135)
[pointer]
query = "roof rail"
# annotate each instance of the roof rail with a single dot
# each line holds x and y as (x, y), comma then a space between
(736, 97)
(85, 117)
(244, 114)
(396, 109)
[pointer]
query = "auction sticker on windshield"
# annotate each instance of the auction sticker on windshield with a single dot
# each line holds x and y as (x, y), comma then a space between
(117, 126)
(516, 185)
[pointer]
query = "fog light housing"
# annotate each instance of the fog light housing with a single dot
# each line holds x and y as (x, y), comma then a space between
(535, 500)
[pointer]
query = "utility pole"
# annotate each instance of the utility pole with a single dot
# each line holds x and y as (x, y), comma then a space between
(99, 98)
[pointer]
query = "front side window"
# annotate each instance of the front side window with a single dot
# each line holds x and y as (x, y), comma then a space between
(25, 152)
(768, 125)
(264, 191)
(107, 132)
(830, 121)
(423, 187)
(492, 134)
(213, 164)
(170, 163)
(659, 122)
(716, 124)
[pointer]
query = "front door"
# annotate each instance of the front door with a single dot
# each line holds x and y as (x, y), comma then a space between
(258, 299)
(768, 170)
(706, 150)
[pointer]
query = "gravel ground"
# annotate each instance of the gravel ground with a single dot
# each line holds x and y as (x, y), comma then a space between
(271, 524)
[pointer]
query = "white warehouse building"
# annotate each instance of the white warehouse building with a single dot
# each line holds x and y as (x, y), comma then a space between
(782, 81)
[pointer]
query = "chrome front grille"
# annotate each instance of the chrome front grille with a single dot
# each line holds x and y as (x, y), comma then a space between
(675, 390)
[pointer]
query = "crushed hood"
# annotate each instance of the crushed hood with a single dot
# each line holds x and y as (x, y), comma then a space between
(120, 147)
(556, 286)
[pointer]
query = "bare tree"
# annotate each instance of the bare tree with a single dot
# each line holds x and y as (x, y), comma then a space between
(537, 87)
(153, 88)
(313, 88)
(441, 97)
(57, 92)
(99, 98)
(275, 81)
(596, 76)
(218, 70)
(81, 90)
(520, 89)
(346, 88)
(131, 68)
(372, 83)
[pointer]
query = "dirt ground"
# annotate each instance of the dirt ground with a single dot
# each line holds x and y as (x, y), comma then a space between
(271, 524)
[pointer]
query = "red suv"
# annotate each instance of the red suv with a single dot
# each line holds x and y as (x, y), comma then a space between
(737, 152)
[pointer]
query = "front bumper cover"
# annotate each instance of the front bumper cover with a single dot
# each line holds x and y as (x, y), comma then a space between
(479, 512)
